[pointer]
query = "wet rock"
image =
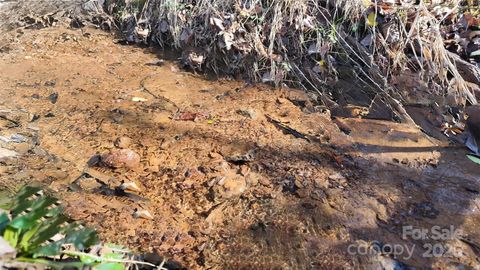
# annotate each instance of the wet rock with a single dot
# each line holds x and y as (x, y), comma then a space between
(473, 127)
(121, 158)
(122, 142)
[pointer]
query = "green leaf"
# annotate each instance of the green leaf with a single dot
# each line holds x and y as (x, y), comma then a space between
(24, 245)
(26, 192)
(109, 266)
(117, 248)
(51, 249)
(83, 238)
(48, 230)
(474, 158)
(116, 256)
(20, 201)
(80, 238)
(11, 235)
(39, 210)
(87, 258)
(4, 220)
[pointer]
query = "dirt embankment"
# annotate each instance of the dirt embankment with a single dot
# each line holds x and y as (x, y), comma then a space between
(233, 175)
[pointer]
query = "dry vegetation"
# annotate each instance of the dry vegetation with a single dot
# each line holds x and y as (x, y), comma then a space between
(311, 44)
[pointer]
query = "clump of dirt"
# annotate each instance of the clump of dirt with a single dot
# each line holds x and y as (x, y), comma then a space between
(233, 175)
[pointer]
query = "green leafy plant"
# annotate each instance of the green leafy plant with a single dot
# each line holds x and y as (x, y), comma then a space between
(34, 219)
(34, 224)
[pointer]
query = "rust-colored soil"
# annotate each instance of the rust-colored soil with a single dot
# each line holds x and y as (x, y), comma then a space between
(231, 189)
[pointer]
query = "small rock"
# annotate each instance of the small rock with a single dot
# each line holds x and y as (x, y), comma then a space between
(98, 175)
(130, 186)
(159, 63)
(252, 179)
(23, 148)
(190, 116)
(17, 138)
(88, 183)
(241, 158)
(139, 99)
(230, 187)
(349, 111)
(321, 183)
(265, 182)
(298, 97)
(338, 180)
(215, 156)
(282, 100)
(143, 214)
(244, 170)
(5, 153)
(51, 83)
(336, 177)
(121, 158)
(122, 142)
(53, 98)
(250, 113)
(33, 117)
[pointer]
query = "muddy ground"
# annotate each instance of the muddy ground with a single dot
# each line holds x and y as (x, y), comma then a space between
(235, 176)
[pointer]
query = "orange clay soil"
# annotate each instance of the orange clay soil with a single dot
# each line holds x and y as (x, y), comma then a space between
(235, 176)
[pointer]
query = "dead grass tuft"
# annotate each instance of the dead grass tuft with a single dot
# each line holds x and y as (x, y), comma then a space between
(304, 42)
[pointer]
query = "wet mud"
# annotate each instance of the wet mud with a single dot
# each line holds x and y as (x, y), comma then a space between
(233, 176)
